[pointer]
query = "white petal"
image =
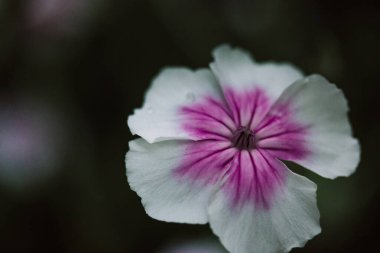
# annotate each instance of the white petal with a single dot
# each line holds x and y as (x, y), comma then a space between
(322, 106)
(290, 222)
(150, 170)
(236, 69)
(173, 88)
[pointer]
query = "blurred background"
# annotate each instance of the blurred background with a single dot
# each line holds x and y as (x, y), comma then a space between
(71, 71)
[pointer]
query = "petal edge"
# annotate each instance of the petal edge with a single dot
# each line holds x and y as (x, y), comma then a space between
(291, 222)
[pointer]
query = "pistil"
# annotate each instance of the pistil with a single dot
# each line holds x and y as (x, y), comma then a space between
(243, 139)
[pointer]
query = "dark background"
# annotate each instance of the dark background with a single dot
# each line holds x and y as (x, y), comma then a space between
(90, 64)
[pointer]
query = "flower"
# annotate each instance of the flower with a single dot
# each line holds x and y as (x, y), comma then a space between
(213, 143)
(194, 246)
(31, 144)
(58, 17)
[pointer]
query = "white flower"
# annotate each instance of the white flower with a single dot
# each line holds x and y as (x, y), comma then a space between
(213, 143)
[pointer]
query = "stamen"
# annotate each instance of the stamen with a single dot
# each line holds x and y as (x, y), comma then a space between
(243, 139)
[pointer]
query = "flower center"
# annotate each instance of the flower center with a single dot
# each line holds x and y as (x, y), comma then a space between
(243, 139)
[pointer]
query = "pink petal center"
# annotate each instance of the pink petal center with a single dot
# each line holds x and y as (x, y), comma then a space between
(241, 139)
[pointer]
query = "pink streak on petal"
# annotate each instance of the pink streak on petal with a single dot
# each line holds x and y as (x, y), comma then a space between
(248, 108)
(280, 133)
(205, 161)
(208, 119)
(255, 177)
(251, 174)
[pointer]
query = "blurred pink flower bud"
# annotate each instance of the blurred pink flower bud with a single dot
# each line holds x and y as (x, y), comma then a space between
(30, 145)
